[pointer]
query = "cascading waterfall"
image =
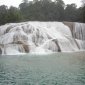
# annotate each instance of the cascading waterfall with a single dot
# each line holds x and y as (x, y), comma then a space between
(79, 35)
(41, 37)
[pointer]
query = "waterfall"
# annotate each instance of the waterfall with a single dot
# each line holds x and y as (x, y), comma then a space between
(41, 37)
(79, 31)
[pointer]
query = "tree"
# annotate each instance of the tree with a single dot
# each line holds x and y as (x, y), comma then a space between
(71, 12)
(3, 14)
(83, 10)
(14, 14)
(59, 10)
(46, 1)
(24, 8)
(35, 1)
(25, 1)
(42, 10)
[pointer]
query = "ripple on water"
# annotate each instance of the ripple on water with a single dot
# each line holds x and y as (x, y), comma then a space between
(52, 69)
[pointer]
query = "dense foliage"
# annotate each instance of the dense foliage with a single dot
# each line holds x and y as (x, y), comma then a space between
(42, 10)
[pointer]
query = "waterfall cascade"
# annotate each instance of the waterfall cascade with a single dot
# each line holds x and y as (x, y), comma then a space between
(41, 37)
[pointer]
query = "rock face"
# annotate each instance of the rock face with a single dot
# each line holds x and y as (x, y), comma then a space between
(41, 37)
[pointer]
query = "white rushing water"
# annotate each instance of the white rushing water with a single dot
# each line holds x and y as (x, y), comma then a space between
(41, 37)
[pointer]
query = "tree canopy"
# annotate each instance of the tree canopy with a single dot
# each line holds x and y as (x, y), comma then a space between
(42, 10)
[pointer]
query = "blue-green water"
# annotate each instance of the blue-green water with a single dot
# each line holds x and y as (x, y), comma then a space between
(52, 69)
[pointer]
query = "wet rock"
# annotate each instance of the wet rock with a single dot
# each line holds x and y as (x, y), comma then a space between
(0, 51)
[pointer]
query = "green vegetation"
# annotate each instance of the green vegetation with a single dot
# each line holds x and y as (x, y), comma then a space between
(9, 15)
(42, 10)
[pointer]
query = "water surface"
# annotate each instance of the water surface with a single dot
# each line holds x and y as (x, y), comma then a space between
(51, 69)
